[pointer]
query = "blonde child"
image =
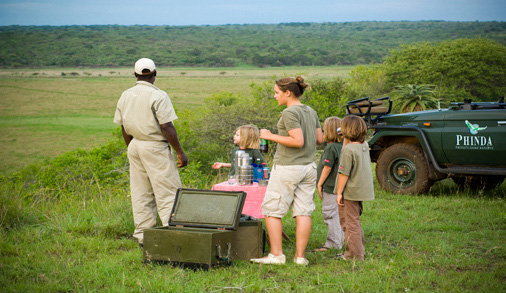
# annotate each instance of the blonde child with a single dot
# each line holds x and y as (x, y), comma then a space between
(354, 185)
(247, 138)
(326, 179)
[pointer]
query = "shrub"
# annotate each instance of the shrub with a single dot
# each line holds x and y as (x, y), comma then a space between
(412, 97)
(368, 81)
(463, 67)
(327, 98)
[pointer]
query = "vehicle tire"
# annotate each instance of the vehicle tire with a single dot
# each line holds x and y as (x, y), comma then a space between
(478, 182)
(402, 168)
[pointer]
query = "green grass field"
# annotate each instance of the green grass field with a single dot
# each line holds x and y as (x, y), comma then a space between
(72, 233)
(66, 223)
(44, 114)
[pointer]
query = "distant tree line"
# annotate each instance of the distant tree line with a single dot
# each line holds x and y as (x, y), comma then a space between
(285, 44)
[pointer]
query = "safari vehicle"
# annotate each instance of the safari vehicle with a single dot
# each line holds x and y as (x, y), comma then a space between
(466, 142)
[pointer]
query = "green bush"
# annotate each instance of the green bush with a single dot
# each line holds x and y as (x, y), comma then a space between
(368, 81)
(327, 98)
(459, 68)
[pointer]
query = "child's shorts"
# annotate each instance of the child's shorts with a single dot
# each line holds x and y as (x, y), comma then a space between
(290, 186)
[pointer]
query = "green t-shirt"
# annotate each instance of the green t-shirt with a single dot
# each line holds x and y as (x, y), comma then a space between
(330, 158)
(254, 154)
(293, 117)
(355, 162)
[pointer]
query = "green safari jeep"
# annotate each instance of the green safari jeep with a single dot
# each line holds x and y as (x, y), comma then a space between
(466, 142)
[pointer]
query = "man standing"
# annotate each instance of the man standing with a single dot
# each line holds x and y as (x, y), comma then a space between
(145, 114)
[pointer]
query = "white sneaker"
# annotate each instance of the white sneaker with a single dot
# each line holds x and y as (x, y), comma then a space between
(301, 261)
(270, 259)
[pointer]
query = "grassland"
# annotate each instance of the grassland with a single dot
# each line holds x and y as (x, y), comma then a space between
(44, 113)
(73, 227)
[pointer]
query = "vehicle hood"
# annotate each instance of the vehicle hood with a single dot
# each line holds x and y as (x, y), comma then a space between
(413, 118)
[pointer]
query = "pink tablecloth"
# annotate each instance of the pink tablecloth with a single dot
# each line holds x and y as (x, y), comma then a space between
(254, 196)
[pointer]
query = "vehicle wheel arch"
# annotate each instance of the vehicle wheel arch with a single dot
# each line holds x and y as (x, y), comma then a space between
(380, 143)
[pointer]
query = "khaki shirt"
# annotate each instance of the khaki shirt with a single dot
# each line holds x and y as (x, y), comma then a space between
(298, 116)
(355, 162)
(141, 109)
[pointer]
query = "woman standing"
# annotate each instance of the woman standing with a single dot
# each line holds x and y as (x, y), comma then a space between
(293, 178)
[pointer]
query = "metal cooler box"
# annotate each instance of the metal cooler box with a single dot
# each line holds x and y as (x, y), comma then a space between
(200, 231)
(249, 239)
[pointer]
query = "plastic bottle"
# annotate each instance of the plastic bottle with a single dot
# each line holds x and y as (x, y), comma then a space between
(264, 147)
(257, 171)
(266, 173)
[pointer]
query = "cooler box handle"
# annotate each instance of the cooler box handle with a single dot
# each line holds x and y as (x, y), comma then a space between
(221, 257)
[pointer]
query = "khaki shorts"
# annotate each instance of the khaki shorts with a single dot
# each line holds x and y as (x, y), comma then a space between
(290, 186)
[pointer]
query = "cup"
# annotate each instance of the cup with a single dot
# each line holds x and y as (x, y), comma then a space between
(232, 180)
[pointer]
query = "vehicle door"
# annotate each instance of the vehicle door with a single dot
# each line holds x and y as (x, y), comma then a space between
(475, 137)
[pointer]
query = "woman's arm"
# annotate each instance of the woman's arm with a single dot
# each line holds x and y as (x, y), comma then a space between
(294, 140)
(319, 136)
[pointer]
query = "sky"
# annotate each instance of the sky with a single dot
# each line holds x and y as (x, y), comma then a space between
(216, 12)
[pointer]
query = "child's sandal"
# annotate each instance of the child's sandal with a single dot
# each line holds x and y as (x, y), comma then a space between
(320, 249)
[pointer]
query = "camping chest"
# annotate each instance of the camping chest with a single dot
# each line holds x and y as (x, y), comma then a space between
(203, 230)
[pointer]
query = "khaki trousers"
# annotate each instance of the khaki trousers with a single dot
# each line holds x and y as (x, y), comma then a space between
(349, 216)
(335, 235)
(154, 180)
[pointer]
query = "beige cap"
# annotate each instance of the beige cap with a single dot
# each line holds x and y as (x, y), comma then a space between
(144, 63)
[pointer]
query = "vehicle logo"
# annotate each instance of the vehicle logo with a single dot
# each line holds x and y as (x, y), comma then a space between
(474, 128)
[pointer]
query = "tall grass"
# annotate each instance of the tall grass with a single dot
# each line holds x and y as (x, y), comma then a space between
(65, 225)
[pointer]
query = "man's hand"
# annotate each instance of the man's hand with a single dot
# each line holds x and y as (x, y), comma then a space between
(182, 160)
(170, 134)
(320, 191)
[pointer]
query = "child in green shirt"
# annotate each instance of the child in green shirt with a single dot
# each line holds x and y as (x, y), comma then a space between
(326, 179)
(247, 138)
(354, 185)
